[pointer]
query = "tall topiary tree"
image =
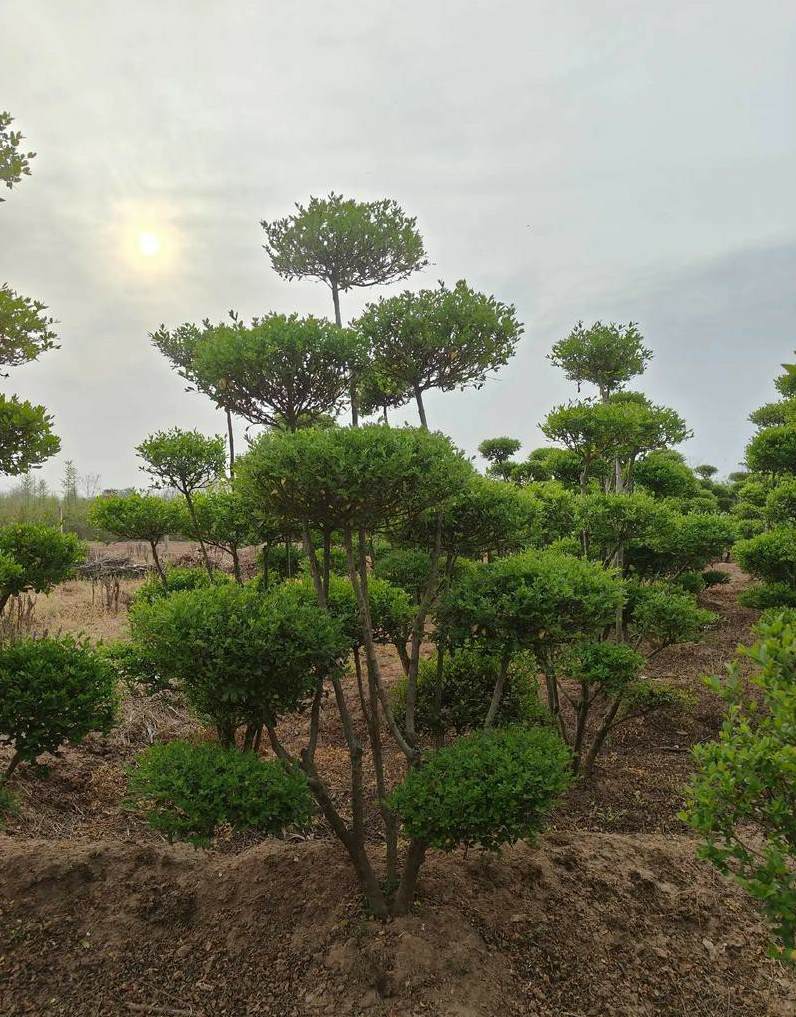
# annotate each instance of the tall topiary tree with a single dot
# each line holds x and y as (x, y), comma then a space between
(442, 338)
(346, 244)
(354, 481)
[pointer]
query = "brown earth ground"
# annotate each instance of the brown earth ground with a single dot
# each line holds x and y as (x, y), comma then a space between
(610, 915)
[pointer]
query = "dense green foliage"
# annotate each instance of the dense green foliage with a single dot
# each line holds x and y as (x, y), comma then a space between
(460, 700)
(282, 370)
(52, 691)
(26, 437)
(239, 656)
(36, 558)
(188, 791)
(743, 797)
(442, 338)
(485, 790)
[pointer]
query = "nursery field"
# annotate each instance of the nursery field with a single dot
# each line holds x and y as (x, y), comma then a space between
(348, 720)
(611, 913)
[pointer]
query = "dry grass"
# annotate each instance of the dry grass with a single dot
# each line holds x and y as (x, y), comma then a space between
(77, 607)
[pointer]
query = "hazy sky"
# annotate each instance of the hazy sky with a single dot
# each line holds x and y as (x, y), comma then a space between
(649, 146)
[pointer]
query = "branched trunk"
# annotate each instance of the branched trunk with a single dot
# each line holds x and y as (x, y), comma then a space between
(197, 530)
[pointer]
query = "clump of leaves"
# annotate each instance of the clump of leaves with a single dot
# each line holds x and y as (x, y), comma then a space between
(52, 691)
(746, 780)
(239, 656)
(188, 791)
(459, 698)
(485, 790)
(178, 579)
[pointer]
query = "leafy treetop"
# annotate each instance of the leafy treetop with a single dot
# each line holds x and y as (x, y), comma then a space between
(345, 243)
(607, 356)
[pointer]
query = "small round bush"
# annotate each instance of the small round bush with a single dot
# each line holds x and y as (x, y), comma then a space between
(239, 656)
(468, 681)
(770, 556)
(177, 580)
(52, 691)
(662, 614)
(281, 562)
(187, 791)
(486, 789)
(408, 568)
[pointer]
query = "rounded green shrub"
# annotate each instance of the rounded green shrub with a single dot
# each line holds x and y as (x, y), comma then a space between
(408, 568)
(53, 691)
(486, 789)
(468, 681)
(188, 791)
(662, 614)
(765, 596)
(178, 579)
(769, 556)
(239, 656)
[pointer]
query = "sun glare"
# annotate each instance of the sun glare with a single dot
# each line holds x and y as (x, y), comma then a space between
(148, 244)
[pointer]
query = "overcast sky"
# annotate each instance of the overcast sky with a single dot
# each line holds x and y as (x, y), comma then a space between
(582, 159)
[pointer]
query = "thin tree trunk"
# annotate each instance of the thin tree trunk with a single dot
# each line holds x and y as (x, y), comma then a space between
(231, 437)
(599, 738)
(16, 759)
(338, 319)
(327, 561)
(195, 521)
(266, 556)
(156, 559)
(497, 694)
(233, 550)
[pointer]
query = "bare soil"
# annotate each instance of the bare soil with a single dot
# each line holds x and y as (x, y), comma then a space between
(611, 915)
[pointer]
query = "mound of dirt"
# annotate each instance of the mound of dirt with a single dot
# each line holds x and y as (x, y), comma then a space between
(585, 925)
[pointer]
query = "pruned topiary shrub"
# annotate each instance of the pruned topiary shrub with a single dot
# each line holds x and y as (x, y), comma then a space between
(460, 701)
(188, 791)
(484, 790)
(239, 656)
(770, 557)
(178, 579)
(52, 691)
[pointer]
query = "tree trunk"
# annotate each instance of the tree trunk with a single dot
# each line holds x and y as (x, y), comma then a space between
(231, 437)
(156, 559)
(405, 896)
(233, 550)
(421, 408)
(195, 521)
(497, 694)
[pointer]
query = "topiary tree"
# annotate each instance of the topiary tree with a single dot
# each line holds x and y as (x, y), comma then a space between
(659, 615)
(742, 800)
(240, 657)
(664, 474)
(187, 791)
(222, 520)
(355, 481)
(178, 579)
(282, 371)
(604, 678)
(498, 453)
(187, 461)
(137, 516)
(773, 450)
(442, 338)
(35, 558)
(538, 601)
(607, 356)
(52, 691)
(347, 244)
